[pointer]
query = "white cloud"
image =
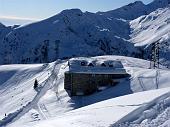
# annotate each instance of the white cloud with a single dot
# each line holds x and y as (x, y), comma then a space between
(13, 20)
(17, 18)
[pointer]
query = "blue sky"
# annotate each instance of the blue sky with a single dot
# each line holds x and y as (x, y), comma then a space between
(41, 9)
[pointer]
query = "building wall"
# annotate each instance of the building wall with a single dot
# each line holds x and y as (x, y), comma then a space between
(80, 83)
(67, 81)
(83, 83)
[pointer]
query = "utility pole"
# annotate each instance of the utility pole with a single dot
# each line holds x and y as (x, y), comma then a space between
(155, 55)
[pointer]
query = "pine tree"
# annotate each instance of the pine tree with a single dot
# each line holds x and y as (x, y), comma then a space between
(35, 84)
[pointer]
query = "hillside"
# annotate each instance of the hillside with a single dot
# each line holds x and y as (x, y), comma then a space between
(52, 103)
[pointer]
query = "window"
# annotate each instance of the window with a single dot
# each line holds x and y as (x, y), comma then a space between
(103, 65)
(83, 63)
(91, 65)
(110, 65)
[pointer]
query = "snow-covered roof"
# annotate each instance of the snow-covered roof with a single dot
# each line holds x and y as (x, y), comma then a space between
(93, 66)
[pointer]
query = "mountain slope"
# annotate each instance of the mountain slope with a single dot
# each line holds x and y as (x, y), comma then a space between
(151, 28)
(136, 9)
(68, 34)
(128, 12)
(74, 33)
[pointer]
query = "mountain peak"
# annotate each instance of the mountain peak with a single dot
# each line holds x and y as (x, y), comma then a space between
(136, 3)
(71, 12)
(128, 12)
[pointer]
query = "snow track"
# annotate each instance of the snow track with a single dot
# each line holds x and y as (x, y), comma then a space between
(40, 92)
(42, 109)
(53, 82)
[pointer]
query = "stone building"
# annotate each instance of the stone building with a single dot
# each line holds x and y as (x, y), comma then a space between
(84, 78)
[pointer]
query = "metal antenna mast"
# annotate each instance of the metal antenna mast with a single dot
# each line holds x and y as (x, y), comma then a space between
(155, 55)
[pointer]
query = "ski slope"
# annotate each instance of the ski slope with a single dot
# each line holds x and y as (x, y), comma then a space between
(50, 105)
(105, 113)
(20, 79)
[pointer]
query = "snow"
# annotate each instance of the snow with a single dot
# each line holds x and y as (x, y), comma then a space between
(51, 105)
(75, 65)
(17, 93)
(142, 100)
(155, 114)
(56, 21)
(104, 113)
(150, 28)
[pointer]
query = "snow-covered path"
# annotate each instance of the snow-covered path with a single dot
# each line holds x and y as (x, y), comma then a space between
(52, 81)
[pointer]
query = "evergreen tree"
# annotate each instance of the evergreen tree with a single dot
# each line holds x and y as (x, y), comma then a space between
(35, 84)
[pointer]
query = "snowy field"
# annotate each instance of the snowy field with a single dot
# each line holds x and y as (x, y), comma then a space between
(142, 100)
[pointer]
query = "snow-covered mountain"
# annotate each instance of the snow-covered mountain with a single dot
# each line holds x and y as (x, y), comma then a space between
(136, 9)
(68, 34)
(128, 12)
(150, 28)
(75, 33)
